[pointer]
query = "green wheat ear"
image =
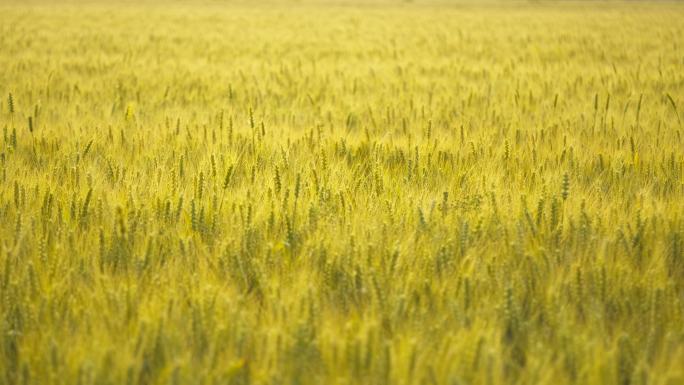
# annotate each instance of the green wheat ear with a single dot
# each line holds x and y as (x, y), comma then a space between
(10, 103)
(565, 187)
(276, 181)
(229, 176)
(674, 107)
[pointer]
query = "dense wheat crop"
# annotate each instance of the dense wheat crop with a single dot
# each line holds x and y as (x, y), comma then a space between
(317, 193)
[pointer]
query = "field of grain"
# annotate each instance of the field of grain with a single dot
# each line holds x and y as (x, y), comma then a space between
(341, 193)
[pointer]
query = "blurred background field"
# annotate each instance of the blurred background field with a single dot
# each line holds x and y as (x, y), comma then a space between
(341, 192)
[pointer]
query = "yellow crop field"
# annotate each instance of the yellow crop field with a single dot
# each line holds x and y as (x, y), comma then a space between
(341, 192)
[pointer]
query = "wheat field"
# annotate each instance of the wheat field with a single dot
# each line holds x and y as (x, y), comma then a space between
(321, 192)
